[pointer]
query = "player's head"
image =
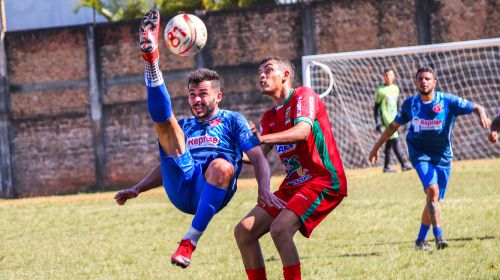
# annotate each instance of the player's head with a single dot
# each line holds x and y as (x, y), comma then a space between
(204, 93)
(425, 80)
(389, 76)
(274, 73)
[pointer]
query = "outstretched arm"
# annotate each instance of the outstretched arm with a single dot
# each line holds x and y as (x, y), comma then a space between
(263, 176)
(484, 121)
(265, 149)
(388, 132)
(152, 180)
(297, 133)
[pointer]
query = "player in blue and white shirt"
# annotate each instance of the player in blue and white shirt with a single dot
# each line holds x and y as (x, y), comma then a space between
(200, 157)
(431, 114)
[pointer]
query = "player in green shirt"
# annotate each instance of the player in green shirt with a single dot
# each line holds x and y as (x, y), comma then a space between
(386, 108)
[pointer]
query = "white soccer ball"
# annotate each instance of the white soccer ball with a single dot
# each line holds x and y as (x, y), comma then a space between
(185, 34)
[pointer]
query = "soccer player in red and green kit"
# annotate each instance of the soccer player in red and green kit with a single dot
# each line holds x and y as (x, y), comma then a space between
(315, 183)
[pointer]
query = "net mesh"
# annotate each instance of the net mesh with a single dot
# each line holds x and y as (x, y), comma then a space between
(348, 83)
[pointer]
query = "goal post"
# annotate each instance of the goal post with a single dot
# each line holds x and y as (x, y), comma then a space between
(347, 83)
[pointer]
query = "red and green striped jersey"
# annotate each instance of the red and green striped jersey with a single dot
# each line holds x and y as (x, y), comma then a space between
(316, 160)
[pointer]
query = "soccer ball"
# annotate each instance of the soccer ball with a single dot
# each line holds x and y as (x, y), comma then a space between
(185, 34)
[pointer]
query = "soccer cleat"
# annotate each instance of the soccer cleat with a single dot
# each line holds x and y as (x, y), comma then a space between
(422, 245)
(182, 256)
(441, 243)
(406, 167)
(389, 170)
(148, 36)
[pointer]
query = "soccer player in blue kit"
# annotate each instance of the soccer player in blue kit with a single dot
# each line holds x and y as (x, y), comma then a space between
(431, 114)
(201, 156)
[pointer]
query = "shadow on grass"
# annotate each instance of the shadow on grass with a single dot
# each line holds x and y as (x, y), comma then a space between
(377, 254)
(372, 254)
(480, 238)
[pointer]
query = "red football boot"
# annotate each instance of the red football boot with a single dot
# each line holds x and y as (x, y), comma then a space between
(182, 256)
(148, 36)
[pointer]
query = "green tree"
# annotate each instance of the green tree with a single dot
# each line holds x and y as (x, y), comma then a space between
(226, 4)
(174, 6)
(114, 10)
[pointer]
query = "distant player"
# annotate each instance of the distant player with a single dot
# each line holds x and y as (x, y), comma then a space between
(432, 114)
(384, 111)
(315, 183)
(200, 157)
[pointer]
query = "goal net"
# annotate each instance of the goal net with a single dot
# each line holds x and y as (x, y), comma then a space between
(347, 84)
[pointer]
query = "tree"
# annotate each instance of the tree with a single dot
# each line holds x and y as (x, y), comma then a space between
(114, 10)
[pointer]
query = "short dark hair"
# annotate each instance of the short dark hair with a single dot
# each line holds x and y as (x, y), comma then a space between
(204, 74)
(388, 70)
(425, 69)
(283, 63)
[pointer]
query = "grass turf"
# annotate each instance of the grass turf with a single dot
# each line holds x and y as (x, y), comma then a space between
(369, 236)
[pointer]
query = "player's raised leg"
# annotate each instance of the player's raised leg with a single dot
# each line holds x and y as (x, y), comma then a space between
(170, 134)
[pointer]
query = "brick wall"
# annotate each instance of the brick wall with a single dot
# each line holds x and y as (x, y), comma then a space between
(53, 138)
(461, 20)
(364, 25)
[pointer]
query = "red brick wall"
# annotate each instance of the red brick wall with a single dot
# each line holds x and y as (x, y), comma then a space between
(52, 140)
(364, 25)
(52, 131)
(461, 20)
(247, 36)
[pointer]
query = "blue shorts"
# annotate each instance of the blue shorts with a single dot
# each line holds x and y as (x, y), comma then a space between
(184, 180)
(433, 174)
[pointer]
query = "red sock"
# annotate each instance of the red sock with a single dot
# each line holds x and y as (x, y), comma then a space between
(292, 272)
(256, 274)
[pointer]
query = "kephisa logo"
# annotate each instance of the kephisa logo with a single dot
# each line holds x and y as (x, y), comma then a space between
(202, 141)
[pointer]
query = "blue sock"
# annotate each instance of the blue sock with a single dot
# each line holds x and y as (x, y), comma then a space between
(438, 232)
(424, 230)
(210, 201)
(159, 105)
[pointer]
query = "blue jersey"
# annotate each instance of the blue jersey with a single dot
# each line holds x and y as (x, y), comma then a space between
(225, 135)
(429, 135)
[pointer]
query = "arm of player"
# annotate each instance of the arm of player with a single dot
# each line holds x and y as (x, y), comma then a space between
(388, 132)
(265, 149)
(152, 180)
(263, 176)
(297, 133)
(484, 121)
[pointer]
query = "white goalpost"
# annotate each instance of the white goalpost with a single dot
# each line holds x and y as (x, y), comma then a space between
(347, 83)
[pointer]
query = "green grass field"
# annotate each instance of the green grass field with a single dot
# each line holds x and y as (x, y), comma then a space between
(369, 236)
